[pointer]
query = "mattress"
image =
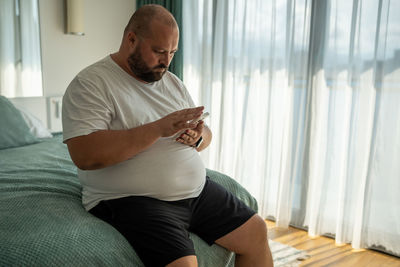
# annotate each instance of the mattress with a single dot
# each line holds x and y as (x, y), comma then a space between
(43, 222)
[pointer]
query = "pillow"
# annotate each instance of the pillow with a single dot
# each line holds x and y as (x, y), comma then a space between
(13, 129)
(35, 125)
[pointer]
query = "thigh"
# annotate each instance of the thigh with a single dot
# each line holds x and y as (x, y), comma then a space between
(217, 212)
(156, 229)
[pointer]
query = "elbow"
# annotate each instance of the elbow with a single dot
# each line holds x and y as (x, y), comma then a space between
(87, 165)
(81, 165)
(84, 158)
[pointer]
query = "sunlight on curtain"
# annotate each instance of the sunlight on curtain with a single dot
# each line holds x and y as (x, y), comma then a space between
(20, 61)
(304, 98)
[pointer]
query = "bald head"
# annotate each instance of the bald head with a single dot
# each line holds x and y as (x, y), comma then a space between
(141, 21)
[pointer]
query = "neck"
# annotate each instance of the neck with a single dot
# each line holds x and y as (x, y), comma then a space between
(119, 59)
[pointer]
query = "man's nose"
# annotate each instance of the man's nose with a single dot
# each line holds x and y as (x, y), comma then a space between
(166, 59)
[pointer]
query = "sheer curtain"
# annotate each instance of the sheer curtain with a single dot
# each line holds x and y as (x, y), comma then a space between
(20, 61)
(304, 98)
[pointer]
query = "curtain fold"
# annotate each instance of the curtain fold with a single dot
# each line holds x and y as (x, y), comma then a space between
(175, 7)
(20, 58)
(304, 98)
(8, 72)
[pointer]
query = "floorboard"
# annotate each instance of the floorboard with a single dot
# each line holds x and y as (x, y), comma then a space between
(324, 251)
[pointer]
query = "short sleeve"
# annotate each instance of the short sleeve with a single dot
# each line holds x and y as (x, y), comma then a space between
(85, 108)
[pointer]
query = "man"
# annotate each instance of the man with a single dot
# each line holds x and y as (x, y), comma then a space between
(130, 128)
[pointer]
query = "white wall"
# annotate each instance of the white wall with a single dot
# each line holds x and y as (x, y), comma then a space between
(64, 55)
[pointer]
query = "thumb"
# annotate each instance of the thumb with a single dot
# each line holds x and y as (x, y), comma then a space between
(200, 125)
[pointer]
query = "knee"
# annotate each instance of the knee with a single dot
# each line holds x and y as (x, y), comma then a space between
(260, 231)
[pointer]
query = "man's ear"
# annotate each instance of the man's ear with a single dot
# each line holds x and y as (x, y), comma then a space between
(131, 37)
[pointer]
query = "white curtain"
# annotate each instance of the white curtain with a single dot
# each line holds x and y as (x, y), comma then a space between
(304, 98)
(20, 61)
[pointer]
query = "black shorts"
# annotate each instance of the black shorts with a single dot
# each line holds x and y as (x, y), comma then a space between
(159, 230)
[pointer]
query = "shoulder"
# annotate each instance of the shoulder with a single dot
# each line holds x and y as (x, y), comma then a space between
(96, 71)
(93, 77)
(90, 81)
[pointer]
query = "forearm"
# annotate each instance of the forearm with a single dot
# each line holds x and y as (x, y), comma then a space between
(108, 147)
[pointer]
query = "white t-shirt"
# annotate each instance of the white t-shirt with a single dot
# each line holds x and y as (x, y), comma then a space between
(105, 97)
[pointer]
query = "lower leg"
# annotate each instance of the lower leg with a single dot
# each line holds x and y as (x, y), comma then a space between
(187, 261)
(261, 257)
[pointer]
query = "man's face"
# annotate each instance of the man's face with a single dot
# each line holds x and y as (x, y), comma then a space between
(152, 55)
(142, 70)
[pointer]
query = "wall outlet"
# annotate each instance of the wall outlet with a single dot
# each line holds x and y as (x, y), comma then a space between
(54, 107)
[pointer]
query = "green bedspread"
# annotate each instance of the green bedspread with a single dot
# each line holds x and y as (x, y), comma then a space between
(43, 223)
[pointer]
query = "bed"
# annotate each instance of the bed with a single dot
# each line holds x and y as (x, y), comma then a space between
(42, 220)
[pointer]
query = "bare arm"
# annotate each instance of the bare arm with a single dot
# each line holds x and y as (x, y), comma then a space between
(108, 147)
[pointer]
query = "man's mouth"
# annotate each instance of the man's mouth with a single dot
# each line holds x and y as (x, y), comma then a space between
(160, 69)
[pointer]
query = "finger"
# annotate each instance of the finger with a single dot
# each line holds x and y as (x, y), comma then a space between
(180, 140)
(200, 126)
(189, 110)
(191, 133)
(193, 118)
(191, 113)
(182, 125)
(196, 109)
(181, 115)
(187, 138)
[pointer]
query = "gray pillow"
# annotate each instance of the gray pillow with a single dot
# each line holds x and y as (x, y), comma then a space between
(14, 131)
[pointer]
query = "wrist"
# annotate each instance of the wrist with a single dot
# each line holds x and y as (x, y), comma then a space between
(198, 142)
(155, 129)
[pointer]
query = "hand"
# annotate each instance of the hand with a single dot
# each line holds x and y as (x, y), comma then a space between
(191, 136)
(178, 121)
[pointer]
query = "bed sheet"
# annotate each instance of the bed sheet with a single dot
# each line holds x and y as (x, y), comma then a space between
(43, 222)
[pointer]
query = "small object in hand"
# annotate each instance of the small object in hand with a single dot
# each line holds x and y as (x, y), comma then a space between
(202, 117)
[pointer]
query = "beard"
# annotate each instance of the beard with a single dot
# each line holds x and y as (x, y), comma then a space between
(143, 71)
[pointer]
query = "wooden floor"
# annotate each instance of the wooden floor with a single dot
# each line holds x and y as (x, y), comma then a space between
(324, 252)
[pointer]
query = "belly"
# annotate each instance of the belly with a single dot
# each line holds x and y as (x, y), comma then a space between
(167, 170)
